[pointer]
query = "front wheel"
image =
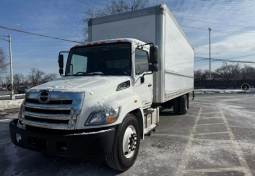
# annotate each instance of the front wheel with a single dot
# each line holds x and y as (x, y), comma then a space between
(126, 145)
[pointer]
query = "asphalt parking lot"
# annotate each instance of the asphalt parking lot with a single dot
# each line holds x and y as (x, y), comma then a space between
(215, 137)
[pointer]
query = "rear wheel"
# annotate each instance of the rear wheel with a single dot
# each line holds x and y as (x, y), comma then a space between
(183, 104)
(126, 145)
(176, 106)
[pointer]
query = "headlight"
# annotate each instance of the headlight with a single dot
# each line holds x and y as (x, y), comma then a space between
(104, 116)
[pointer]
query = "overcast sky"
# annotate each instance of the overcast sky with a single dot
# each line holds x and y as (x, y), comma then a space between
(232, 23)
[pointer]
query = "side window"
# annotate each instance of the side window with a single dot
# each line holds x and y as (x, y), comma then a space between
(141, 62)
(79, 64)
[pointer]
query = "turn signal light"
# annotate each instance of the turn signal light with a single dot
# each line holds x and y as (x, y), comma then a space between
(102, 43)
(118, 40)
(95, 43)
(89, 44)
(111, 119)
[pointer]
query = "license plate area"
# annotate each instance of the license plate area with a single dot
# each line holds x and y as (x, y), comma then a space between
(37, 143)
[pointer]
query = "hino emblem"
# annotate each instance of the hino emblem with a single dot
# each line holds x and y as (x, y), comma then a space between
(44, 96)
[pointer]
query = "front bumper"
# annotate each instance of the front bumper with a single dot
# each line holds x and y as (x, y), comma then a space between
(70, 144)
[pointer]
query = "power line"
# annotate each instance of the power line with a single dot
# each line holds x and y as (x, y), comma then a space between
(39, 34)
(4, 39)
(194, 27)
(214, 22)
(228, 32)
(227, 60)
(227, 51)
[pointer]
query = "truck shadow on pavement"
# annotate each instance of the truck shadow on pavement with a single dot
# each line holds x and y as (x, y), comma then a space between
(33, 163)
(168, 112)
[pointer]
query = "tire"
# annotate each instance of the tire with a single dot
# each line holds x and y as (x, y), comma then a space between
(183, 104)
(119, 160)
(176, 105)
(167, 105)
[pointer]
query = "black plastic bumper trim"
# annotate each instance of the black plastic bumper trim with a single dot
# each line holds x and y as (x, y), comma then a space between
(68, 145)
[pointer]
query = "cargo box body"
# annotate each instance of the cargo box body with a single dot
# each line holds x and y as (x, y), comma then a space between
(157, 25)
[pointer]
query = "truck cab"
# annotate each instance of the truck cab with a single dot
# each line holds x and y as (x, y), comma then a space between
(96, 107)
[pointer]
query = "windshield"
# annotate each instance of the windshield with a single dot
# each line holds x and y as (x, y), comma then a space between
(108, 59)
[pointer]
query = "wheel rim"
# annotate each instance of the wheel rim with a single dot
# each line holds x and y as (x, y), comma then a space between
(129, 141)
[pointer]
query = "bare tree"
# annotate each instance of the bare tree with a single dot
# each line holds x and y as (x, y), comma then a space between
(7, 79)
(229, 71)
(248, 72)
(112, 7)
(49, 77)
(18, 79)
(204, 75)
(35, 77)
(198, 74)
(3, 60)
(3, 64)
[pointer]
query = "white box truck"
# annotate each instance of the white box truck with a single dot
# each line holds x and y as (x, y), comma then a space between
(109, 96)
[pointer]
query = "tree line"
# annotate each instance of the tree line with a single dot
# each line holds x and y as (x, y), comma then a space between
(227, 72)
(34, 78)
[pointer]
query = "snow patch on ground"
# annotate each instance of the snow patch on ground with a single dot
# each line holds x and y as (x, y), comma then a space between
(210, 91)
(9, 104)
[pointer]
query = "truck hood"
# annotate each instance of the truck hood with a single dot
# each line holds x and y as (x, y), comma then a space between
(92, 86)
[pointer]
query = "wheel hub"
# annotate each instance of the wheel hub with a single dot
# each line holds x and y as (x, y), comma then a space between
(129, 141)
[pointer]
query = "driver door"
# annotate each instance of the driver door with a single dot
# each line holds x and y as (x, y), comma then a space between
(143, 89)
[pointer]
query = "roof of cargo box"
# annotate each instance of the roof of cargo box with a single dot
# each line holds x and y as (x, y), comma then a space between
(136, 13)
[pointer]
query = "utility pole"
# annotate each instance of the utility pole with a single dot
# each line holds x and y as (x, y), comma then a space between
(210, 53)
(12, 97)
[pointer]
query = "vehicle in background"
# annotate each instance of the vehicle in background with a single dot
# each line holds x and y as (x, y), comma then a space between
(109, 96)
(22, 89)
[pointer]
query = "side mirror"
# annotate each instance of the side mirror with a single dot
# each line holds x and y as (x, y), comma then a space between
(154, 54)
(61, 61)
(153, 66)
(61, 64)
(61, 71)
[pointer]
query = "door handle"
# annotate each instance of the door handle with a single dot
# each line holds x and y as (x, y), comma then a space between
(149, 85)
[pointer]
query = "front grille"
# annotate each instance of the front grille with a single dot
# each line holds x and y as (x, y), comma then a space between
(61, 112)
(47, 111)
(46, 120)
(35, 101)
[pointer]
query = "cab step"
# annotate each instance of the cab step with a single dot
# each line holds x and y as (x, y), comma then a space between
(149, 129)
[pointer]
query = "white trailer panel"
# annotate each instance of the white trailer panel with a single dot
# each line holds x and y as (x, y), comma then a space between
(179, 59)
(156, 25)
